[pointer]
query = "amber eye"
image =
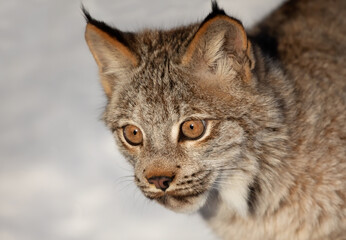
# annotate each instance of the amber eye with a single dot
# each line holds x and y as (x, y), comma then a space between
(193, 129)
(133, 135)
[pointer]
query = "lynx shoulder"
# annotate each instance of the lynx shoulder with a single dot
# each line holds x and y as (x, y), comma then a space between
(246, 127)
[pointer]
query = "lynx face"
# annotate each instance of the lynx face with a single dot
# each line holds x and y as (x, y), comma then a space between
(256, 146)
(181, 105)
(177, 137)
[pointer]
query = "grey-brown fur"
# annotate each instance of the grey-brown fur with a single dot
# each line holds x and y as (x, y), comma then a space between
(272, 163)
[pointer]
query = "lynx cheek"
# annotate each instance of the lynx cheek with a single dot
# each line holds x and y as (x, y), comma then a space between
(133, 135)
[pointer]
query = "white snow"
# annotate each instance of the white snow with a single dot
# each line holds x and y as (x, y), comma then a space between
(61, 176)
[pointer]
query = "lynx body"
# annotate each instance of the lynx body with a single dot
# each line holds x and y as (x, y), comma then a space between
(249, 129)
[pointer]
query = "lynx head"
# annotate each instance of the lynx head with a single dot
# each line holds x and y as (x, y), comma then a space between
(182, 105)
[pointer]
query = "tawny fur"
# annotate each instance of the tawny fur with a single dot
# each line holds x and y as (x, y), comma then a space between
(272, 161)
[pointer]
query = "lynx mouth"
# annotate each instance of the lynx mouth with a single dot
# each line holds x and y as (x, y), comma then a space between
(179, 197)
(182, 199)
(187, 197)
(161, 196)
(186, 203)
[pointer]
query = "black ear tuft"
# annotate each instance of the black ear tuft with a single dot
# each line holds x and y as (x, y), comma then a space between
(217, 11)
(87, 15)
(215, 8)
(99, 24)
(120, 36)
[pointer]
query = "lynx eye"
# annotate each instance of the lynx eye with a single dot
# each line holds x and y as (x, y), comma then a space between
(133, 135)
(193, 129)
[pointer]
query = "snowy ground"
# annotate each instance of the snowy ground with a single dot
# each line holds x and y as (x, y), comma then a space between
(61, 176)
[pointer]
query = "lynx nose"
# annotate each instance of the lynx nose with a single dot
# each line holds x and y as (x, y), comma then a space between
(160, 182)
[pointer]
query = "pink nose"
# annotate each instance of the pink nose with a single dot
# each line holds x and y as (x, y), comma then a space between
(161, 182)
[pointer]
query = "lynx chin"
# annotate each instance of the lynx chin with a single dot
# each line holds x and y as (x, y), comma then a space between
(247, 127)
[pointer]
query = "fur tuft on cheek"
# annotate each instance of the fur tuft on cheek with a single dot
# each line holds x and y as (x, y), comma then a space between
(235, 194)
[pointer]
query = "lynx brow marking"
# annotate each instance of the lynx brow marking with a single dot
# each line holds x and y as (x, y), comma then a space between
(175, 132)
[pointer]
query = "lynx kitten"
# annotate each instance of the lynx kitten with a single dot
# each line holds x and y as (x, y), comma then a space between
(248, 128)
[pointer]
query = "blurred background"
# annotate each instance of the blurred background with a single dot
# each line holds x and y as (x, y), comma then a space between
(61, 176)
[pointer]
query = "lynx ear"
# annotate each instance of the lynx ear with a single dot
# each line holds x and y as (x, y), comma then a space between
(219, 38)
(108, 46)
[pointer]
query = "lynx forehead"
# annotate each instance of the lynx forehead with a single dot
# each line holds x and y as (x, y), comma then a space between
(247, 129)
